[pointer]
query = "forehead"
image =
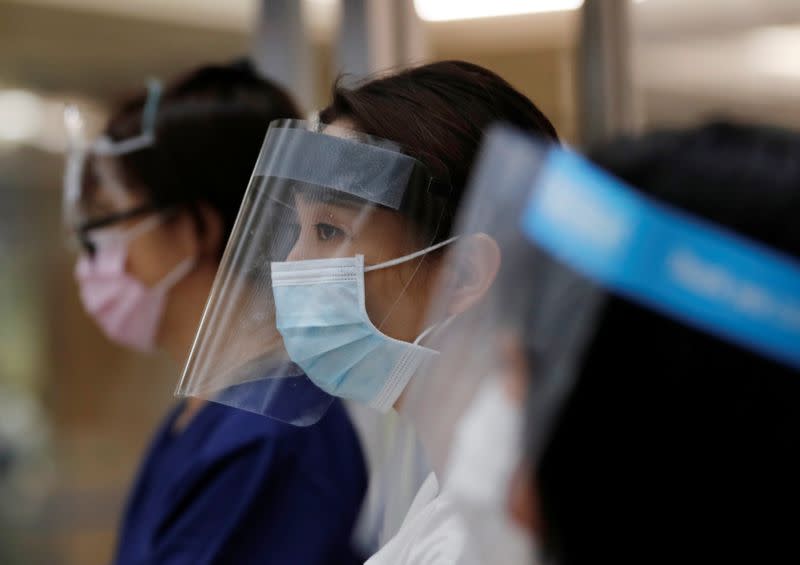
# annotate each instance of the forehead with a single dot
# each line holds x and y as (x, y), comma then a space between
(370, 220)
(339, 127)
(313, 195)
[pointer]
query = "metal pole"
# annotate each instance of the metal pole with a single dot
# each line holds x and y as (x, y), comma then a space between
(281, 48)
(377, 35)
(606, 96)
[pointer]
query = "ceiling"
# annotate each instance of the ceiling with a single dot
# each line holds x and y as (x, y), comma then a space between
(55, 49)
(709, 54)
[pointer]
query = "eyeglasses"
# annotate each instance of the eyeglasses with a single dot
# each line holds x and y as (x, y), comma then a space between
(83, 231)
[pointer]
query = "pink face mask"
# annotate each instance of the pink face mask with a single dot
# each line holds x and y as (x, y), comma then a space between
(128, 312)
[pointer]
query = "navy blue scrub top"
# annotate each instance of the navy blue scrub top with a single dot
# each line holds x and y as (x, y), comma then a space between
(240, 488)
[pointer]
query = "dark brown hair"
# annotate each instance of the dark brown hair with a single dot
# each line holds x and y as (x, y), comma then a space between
(676, 445)
(438, 113)
(209, 128)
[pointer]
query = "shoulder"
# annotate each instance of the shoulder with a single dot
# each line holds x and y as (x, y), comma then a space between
(230, 430)
(325, 458)
(224, 431)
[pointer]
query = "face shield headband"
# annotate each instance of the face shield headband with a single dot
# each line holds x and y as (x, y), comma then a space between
(666, 260)
(610, 237)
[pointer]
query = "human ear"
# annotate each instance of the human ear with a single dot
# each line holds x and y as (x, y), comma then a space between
(196, 232)
(473, 271)
(208, 232)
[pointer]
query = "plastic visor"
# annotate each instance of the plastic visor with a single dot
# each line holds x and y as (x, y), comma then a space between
(317, 193)
(570, 237)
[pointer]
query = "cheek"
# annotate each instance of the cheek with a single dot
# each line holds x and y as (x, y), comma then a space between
(149, 258)
(309, 246)
(381, 290)
(396, 301)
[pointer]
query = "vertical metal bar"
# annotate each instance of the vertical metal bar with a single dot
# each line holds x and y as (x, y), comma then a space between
(353, 47)
(607, 101)
(414, 44)
(282, 50)
(376, 35)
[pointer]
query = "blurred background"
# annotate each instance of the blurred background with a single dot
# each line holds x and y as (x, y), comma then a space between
(76, 411)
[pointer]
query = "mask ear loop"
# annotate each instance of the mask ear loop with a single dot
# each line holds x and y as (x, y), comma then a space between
(406, 258)
(176, 274)
(434, 327)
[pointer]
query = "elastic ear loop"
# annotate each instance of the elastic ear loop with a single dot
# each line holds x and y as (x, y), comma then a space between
(410, 257)
(437, 326)
(406, 258)
(176, 274)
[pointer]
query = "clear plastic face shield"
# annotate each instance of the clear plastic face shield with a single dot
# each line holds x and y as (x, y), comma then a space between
(571, 237)
(82, 212)
(322, 287)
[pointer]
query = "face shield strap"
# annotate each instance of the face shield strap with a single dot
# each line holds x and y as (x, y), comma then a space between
(371, 172)
(106, 147)
(664, 259)
(80, 149)
(74, 127)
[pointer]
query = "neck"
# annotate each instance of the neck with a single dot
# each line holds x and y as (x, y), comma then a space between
(184, 310)
(428, 431)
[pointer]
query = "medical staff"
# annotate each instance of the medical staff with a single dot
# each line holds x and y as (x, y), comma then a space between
(152, 202)
(635, 395)
(337, 250)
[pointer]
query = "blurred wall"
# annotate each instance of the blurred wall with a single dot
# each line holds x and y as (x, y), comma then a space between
(98, 403)
(546, 76)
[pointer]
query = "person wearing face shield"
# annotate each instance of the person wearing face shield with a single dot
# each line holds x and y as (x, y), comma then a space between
(323, 288)
(152, 202)
(628, 386)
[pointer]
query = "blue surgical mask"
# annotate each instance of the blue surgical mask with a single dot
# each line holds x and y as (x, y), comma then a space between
(321, 314)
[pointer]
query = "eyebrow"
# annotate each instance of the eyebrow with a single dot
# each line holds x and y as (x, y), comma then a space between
(326, 195)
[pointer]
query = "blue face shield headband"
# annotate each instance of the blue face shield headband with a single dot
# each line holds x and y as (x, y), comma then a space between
(664, 259)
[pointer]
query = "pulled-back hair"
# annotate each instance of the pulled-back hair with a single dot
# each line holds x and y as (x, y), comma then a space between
(438, 113)
(209, 128)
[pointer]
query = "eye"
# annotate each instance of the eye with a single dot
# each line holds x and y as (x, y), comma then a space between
(326, 232)
(87, 245)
